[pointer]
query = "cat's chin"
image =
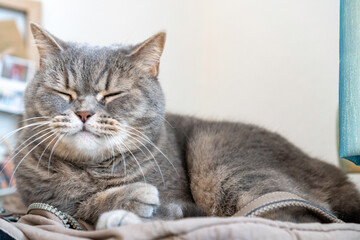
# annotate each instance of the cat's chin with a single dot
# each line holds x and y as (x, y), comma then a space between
(86, 135)
(84, 141)
(85, 145)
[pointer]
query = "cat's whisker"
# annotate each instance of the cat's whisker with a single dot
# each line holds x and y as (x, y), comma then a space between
(149, 141)
(52, 151)
(162, 177)
(12, 176)
(37, 166)
(139, 148)
(166, 121)
(30, 138)
(21, 128)
(124, 162)
(13, 156)
(25, 120)
(137, 162)
(122, 157)
(41, 125)
(113, 154)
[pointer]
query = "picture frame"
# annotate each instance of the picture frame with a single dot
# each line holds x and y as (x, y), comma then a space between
(25, 11)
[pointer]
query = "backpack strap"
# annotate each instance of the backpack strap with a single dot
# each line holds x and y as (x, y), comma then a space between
(276, 200)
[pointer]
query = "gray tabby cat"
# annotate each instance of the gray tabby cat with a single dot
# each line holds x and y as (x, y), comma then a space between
(102, 149)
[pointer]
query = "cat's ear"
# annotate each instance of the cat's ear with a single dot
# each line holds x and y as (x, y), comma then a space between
(147, 54)
(45, 42)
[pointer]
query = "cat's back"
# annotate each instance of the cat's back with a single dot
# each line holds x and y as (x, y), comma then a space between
(246, 147)
(236, 138)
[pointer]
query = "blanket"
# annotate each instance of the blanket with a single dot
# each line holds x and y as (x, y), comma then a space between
(42, 225)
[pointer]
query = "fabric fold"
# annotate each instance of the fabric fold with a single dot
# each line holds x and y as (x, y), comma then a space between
(41, 226)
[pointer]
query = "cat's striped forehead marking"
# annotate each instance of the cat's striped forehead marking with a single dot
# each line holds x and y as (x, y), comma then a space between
(72, 75)
(69, 74)
(113, 76)
(66, 78)
(103, 81)
(104, 76)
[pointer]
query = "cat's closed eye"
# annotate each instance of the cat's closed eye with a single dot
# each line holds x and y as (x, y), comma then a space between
(109, 97)
(69, 97)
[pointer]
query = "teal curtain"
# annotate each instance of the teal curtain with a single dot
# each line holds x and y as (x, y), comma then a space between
(349, 81)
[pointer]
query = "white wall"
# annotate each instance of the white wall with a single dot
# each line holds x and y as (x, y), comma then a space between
(273, 63)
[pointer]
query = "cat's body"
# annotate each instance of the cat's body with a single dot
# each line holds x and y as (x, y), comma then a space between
(201, 168)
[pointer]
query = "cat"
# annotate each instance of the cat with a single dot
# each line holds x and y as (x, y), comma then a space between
(100, 147)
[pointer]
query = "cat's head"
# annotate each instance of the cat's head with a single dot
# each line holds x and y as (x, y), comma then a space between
(96, 99)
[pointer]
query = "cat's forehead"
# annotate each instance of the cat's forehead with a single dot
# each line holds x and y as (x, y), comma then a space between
(93, 58)
(92, 69)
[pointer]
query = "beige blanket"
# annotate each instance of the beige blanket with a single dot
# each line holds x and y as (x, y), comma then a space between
(45, 226)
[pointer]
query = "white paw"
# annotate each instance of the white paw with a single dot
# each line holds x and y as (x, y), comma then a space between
(146, 200)
(116, 218)
(175, 211)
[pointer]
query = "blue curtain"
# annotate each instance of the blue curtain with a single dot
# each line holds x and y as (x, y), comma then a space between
(349, 81)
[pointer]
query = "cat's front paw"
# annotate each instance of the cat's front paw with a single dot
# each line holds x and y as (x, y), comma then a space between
(145, 200)
(116, 218)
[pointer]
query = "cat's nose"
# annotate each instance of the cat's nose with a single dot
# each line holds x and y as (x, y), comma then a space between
(84, 116)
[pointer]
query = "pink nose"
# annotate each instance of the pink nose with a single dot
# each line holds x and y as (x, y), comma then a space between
(84, 116)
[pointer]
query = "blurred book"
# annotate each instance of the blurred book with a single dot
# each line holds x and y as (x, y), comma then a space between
(6, 168)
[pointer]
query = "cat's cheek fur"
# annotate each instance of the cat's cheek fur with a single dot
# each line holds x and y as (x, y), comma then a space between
(67, 123)
(51, 103)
